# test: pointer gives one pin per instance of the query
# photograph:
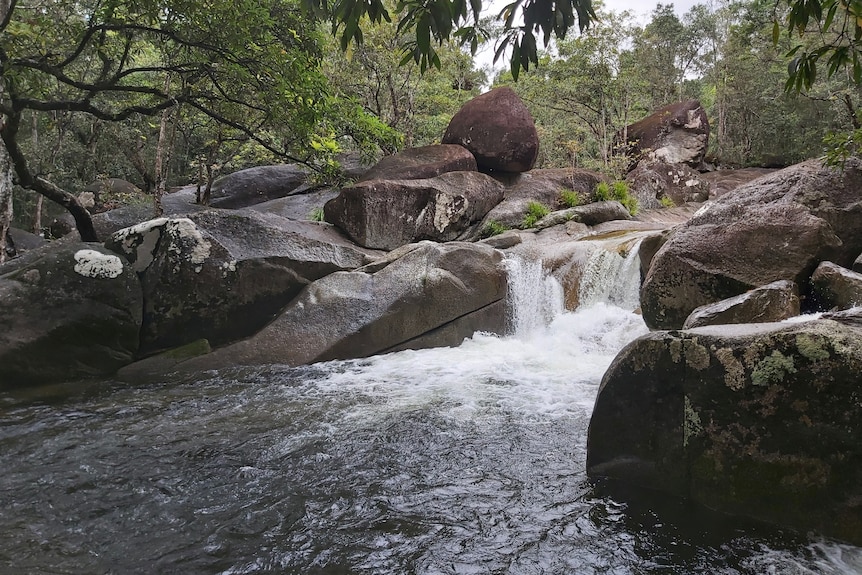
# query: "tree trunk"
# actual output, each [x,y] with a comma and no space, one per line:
[162,156]
[5,199]
[83,219]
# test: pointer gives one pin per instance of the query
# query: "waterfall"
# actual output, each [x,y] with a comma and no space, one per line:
[535,298]
[612,276]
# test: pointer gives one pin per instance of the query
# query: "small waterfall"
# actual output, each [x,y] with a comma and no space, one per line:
[612,276]
[535,298]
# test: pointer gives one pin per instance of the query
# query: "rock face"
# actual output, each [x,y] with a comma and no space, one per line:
[420,295]
[543,186]
[723,181]
[778,227]
[761,420]
[675,134]
[386,214]
[651,182]
[69,310]
[224,275]
[836,287]
[773,302]
[422,163]
[589,214]
[259,184]
[499,131]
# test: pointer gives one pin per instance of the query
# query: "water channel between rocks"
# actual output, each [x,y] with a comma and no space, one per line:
[465,460]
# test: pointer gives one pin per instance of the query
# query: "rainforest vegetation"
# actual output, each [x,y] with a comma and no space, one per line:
[165,93]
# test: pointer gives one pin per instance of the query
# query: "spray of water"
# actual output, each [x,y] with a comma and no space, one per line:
[612,276]
[535,298]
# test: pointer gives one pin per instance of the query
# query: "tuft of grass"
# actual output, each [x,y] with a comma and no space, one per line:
[492,228]
[535,212]
[667,202]
[569,198]
[602,192]
[316,215]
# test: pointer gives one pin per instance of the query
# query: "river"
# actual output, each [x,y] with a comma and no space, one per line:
[465,460]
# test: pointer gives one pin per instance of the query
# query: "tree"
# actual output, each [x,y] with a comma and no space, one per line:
[248,65]
[434,22]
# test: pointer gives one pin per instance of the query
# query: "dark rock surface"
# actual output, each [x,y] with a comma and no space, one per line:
[773,302]
[675,134]
[421,163]
[499,131]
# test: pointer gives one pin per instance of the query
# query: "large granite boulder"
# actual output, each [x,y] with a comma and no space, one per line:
[421,295]
[773,302]
[675,134]
[259,184]
[222,276]
[836,287]
[70,310]
[422,163]
[386,214]
[498,129]
[656,183]
[760,420]
[543,186]
[778,227]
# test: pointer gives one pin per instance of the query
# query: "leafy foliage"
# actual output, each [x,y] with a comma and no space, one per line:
[535,212]
[493,228]
[570,198]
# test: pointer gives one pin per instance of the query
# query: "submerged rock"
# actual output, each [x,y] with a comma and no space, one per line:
[760,420]
[70,310]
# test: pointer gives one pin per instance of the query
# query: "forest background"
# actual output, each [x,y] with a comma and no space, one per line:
[287,89]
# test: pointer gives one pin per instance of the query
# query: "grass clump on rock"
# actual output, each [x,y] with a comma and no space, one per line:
[492,228]
[535,212]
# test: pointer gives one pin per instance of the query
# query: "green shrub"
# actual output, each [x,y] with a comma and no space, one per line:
[602,192]
[631,204]
[569,198]
[620,190]
[667,202]
[493,228]
[535,212]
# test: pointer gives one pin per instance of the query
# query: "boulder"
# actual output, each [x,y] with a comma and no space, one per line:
[759,420]
[422,163]
[110,193]
[306,206]
[773,302]
[675,134]
[386,214]
[543,186]
[836,287]
[779,227]
[222,275]
[652,182]
[589,214]
[395,303]
[724,181]
[70,310]
[499,131]
[259,184]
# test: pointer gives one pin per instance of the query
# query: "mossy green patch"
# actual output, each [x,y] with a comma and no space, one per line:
[772,369]
[811,347]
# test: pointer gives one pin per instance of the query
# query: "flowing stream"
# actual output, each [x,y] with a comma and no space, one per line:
[465,460]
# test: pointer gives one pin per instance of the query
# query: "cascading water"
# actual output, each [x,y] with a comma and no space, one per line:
[465,460]
[612,276]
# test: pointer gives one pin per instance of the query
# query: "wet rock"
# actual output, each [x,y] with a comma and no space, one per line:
[420,293]
[498,130]
[675,134]
[386,214]
[70,310]
[760,420]
[422,163]
[222,275]
[773,302]
[778,227]
[836,287]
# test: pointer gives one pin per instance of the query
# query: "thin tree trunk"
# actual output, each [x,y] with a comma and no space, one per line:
[5,199]
[161,155]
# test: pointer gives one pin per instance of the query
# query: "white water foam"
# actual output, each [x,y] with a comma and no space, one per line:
[613,277]
[535,298]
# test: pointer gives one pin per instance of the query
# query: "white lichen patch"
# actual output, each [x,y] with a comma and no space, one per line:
[734,371]
[228,267]
[93,264]
[187,243]
[675,350]
[139,242]
[446,209]
[691,425]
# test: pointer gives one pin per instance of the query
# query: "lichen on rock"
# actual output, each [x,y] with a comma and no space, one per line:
[93,264]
